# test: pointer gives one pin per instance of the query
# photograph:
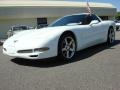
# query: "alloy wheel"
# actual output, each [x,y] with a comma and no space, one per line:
[68,47]
[111,36]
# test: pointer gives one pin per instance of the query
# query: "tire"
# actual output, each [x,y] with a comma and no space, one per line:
[111,36]
[66,47]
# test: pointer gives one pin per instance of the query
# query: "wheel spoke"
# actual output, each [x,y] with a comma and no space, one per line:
[113,35]
[68,54]
[71,42]
[111,40]
[66,42]
[64,49]
[110,35]
[72,50]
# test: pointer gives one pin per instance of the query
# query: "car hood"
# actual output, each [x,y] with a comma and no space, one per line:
[36,33]
[35,37]
[46,32]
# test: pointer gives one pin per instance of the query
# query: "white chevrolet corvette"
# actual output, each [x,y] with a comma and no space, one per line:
[62,38]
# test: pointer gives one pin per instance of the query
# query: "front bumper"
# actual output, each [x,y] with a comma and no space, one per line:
[33,55]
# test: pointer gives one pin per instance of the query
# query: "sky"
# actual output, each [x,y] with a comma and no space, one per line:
[116,3]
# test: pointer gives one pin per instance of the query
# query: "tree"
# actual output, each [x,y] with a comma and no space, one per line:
[118,16]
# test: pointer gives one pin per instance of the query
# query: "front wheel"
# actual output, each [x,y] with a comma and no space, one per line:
[66,47]
[111,36]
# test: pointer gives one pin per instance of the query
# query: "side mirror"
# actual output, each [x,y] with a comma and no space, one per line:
[94,22]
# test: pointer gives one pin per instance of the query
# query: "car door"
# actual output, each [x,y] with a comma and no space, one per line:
[87,37]
[98,31]
[91,34]
[87,33]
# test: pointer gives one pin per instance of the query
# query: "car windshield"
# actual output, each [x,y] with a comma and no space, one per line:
[69,20]
[20,28]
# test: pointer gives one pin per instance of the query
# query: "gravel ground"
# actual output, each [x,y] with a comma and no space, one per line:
[95,68]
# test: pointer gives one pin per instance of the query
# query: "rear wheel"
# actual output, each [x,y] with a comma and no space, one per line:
[111,36]
[66,47]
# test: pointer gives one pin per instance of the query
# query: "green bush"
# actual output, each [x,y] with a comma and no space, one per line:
[118,16]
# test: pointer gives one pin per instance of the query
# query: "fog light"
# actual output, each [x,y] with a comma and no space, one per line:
[33,55]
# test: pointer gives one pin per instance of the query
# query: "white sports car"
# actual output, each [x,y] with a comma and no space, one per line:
[62,38]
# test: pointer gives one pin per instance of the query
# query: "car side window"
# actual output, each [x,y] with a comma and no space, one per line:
[87,20]
[94,17]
